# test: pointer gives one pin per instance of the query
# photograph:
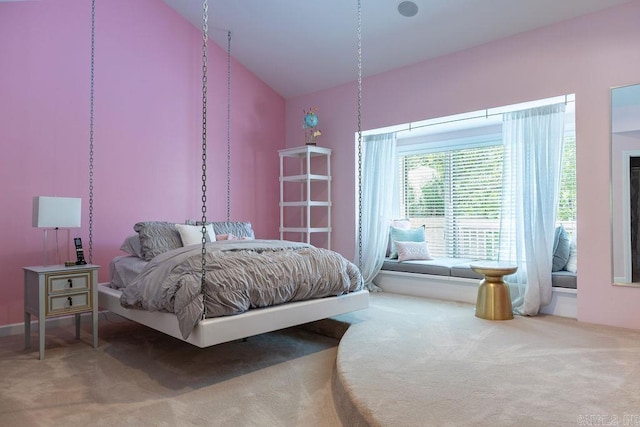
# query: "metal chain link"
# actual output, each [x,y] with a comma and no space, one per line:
[205,29]
[229,126]
[359,134]
[91,121]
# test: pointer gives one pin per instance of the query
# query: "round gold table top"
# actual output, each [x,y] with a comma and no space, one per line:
[493,268]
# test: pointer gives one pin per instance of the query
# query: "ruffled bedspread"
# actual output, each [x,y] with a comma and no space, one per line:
[240,275]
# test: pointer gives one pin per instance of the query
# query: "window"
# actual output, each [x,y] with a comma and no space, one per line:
[450,182]
[567,202]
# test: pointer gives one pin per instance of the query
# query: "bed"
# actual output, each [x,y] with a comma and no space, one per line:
[158,282]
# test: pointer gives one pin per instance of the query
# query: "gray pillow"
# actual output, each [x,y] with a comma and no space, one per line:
[132,246]
[157,237]
[237,228]
[561,246]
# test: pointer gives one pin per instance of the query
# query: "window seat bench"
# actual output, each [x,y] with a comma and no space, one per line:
[460,267]
[451,279]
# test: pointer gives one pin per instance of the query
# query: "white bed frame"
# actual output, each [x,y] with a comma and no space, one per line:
[218,330]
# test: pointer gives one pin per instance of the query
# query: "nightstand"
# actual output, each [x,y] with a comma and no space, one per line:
[56,290]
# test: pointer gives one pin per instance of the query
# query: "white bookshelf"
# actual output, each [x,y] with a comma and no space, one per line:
[305,193]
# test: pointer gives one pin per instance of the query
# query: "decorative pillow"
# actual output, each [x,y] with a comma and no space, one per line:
[131,245]
[400,223]
[231,237]
[404,235]
[192,234]
[157,237]
[572,263]
[560,249]
[408,251]
[225,237]
[237,228]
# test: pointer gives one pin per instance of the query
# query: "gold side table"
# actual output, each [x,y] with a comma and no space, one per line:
[494,299]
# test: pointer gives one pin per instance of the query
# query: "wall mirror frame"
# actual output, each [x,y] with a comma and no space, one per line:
[625,184]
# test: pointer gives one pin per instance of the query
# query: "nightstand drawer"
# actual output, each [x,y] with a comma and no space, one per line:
[68,303]
[64,282]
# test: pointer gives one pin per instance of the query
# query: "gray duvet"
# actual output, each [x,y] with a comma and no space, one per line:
[240,274]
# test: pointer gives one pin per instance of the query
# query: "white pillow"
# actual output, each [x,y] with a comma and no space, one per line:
[192,234]
[572,262]
[410,251]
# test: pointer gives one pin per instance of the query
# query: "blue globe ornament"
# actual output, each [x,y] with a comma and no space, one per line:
[310,120]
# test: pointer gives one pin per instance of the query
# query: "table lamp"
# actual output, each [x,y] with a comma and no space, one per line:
[55,213]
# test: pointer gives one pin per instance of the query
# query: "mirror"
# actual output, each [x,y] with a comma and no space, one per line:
[625,184]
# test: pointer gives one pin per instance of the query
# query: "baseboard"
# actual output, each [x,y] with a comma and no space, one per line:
[53,322]
[564,302]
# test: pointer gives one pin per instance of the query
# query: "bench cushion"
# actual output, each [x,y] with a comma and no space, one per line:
[464,270]
[564,279]
[459,267]
[437,267]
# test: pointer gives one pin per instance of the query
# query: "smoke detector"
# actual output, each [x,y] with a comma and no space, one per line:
[408,9]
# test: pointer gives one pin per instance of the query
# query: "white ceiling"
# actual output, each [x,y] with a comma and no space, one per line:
[302,46]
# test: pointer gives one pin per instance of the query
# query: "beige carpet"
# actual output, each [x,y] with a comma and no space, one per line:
[425,362]
[404,362]
[140,377]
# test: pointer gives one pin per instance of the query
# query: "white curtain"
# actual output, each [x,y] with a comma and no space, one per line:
[378,183]
[533,141]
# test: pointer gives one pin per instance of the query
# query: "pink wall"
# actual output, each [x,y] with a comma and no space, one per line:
[586,56]
[147,128]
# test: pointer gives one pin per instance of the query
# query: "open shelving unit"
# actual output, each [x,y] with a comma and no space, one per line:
[305,187]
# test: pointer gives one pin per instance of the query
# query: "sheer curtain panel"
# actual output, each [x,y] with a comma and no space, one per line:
[378,183]
[533,141]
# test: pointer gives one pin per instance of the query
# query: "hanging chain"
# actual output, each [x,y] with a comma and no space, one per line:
[91,109]
[229,126]
[205,29]
[359,134]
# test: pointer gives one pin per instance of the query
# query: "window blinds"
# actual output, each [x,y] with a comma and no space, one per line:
[456,195]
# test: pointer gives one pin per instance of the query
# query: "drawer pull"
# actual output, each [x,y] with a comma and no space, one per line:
[70,283]
[70,300]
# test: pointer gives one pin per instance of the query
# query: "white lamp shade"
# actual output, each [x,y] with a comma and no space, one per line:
[56,212]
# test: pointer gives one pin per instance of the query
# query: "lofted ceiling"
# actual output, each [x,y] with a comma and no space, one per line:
[302,46]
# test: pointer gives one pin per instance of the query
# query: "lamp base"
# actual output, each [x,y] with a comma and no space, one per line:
[46,250]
